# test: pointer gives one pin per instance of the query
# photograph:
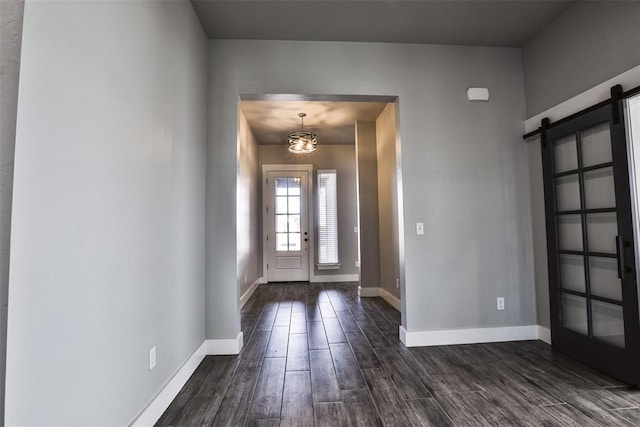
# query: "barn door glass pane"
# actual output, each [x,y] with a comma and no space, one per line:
[608,324]
[596,145]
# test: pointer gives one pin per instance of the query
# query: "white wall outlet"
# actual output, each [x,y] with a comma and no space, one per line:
[398,283]
[500,303]
[419,228]
[355,229]
[357,264]
[152,358]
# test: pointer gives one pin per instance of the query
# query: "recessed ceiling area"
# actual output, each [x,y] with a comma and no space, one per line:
[334,121]
[507,23]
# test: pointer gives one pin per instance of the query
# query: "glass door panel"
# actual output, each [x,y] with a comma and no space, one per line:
[570,232]
[572,272]
[603,278]
[599,189]
[602,229]
[596,145]
[608,323]
[568,193]
[574,313]
[566,154]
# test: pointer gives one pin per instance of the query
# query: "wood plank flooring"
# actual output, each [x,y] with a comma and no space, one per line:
[317,355]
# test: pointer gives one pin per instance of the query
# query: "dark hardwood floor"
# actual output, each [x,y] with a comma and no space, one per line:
[317,355]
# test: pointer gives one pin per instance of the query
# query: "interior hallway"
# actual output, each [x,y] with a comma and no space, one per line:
[317,354]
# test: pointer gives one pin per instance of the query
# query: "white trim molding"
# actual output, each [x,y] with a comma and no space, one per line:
[368,292]
[218,347]
[380,292]
[154,410]
[245,297]
[544,334]
[391,299]
[468,336]
[331,278]
[586,99]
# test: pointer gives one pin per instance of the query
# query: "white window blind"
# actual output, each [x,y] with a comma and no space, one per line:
[327,218]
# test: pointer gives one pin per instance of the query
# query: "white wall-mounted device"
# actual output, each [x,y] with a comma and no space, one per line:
[478,94]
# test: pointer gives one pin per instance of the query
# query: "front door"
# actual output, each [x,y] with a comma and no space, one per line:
[287,226]
[590,243]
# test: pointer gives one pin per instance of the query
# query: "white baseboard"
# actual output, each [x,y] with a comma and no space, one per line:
[219,347]
[391,299]
[154,410]
[380,292]
[332,278]
[544,334]
[368,292]
[245,297]
[468,336]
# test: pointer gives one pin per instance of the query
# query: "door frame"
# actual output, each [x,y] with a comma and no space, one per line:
[310,212]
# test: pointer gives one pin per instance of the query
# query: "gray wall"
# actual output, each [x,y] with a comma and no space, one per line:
[108,212]
[342,159]
[591,42]
[464,169]
[11,14]
[388,200]
[249,255]
[369,233]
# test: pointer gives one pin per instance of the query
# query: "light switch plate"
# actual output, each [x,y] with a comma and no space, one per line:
[419,228]
[152,358]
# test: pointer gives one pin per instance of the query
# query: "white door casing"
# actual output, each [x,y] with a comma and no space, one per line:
[287,219]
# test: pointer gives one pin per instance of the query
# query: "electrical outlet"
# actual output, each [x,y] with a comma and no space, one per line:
[357,264]
[355,229]
[420,228]
[152,358]
[500,303]
[398,283]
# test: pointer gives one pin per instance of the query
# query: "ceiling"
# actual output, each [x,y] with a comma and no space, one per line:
[508,23]
[273,120]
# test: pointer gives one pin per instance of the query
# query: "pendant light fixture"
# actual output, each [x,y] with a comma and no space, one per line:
[303,141]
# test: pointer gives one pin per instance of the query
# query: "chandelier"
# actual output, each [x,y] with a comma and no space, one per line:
[303,141]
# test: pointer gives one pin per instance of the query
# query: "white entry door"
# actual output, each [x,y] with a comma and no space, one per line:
[287,226]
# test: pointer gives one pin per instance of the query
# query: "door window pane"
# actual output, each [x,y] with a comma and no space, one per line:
[596,145]
[603,278]
[294,223]
[281,223]
[608,323]
[570,232]
[599,191]
[281,205]
[281,186]
[565,154]
[602,229]
[572,272]
[574,313]
[568,193]
[294,241]
[288,214]
[294,186]
[294,205]
[281,242]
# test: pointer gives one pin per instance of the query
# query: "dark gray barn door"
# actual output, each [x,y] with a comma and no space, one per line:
[592,274]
